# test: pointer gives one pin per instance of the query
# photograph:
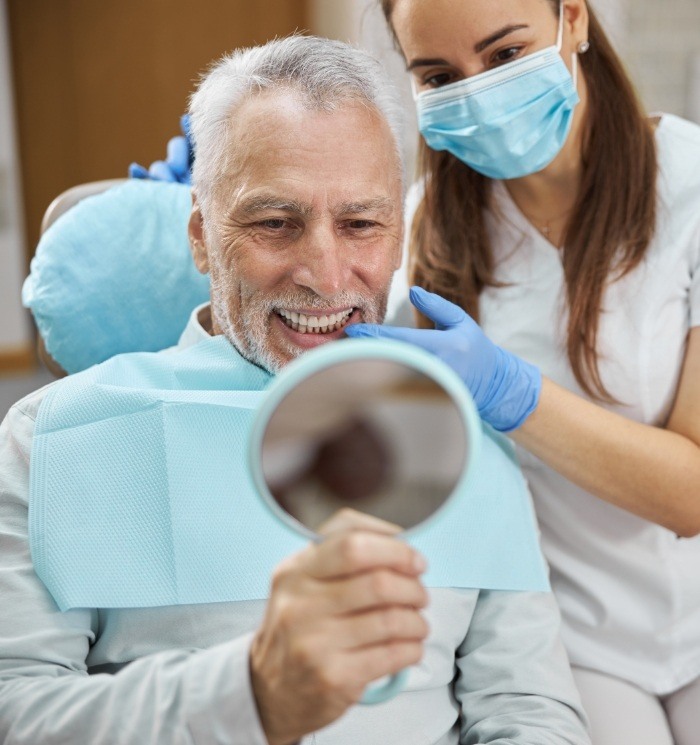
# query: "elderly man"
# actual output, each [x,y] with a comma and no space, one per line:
[297,218]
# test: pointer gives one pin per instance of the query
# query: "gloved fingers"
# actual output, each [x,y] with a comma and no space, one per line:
[428,339]
[369,330]
[138,171]
[185,125]
[186,130]
[442,312]
[375,331]
[161,171]
[178,158]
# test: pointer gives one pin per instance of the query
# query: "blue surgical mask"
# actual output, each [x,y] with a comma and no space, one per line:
[508,122]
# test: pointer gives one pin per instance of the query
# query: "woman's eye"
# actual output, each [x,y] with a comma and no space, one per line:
[506,55]
[435,81]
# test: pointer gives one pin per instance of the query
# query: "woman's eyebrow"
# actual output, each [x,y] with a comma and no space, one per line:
[426,63]
[480,46]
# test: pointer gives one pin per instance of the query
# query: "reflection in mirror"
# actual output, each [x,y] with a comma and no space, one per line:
[371,434]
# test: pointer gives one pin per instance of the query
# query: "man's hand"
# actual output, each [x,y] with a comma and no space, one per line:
[341,614]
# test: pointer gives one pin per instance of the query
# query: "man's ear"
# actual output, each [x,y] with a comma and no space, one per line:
[195,233]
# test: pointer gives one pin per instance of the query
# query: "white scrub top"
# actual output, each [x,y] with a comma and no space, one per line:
[629,590]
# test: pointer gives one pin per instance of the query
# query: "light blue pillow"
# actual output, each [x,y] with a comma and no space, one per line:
[114,274]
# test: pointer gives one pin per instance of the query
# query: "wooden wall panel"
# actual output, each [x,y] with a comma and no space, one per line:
[100,83]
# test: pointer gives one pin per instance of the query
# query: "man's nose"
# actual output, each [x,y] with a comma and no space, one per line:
[322,263]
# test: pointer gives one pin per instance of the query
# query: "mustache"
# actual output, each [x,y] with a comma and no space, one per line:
[312,301]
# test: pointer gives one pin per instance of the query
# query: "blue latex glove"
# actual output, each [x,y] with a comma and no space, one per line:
[178,162]
[505,388]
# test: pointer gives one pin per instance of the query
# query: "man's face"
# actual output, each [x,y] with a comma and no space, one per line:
[304,231]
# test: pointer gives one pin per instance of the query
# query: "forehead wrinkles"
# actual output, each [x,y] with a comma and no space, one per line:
[249,164]
[248,205]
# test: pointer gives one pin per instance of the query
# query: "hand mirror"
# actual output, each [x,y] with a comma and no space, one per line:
[381,427]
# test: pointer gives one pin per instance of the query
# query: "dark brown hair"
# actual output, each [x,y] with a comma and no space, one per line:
[610,227]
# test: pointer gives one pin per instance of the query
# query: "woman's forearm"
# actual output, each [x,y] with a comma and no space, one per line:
[651,472]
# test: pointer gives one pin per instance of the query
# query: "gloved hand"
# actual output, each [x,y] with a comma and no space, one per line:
[178,162]
[505,388]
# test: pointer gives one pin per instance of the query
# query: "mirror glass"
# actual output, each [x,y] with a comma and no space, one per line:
[375,435]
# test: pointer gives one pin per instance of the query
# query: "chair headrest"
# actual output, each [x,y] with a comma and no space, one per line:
[114,274]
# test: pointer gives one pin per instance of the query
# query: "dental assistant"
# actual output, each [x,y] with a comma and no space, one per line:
[552,211]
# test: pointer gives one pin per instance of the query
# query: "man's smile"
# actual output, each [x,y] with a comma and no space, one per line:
[306,323]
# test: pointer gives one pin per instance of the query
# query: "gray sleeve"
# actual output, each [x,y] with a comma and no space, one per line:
[46,694]
[514,682]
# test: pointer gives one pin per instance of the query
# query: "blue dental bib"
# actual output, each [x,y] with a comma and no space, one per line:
[141,495]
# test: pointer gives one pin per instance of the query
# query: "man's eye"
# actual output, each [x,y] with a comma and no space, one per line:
[360,224]
[274,223]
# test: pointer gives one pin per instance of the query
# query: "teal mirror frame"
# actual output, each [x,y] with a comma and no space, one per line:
[354,350]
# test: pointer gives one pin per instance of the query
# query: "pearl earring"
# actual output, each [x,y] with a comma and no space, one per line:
[583,47]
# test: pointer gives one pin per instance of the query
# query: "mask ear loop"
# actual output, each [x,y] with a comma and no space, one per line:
[560,31]
[560,41]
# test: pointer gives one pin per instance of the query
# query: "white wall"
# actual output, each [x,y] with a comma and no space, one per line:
[14,326]
[663,52]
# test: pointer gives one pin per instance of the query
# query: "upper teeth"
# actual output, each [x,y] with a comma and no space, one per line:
[305,322]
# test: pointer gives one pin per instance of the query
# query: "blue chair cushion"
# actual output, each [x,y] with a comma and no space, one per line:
[114,274]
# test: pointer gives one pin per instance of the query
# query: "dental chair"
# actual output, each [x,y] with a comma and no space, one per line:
[112,272]
[69,198]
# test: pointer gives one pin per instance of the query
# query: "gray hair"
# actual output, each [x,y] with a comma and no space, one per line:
[326,73]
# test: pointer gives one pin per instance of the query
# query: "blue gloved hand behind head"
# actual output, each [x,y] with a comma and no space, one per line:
[114,274]
[177,165]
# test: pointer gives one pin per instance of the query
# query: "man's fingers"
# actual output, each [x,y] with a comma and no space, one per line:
[359,551]
[371,590]
[380,626]
[374,662]
[348,519]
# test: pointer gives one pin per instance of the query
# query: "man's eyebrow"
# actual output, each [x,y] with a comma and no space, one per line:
[255,204]
[478,47]
[380,204]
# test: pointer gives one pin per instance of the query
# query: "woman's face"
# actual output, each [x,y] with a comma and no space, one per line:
[444,41]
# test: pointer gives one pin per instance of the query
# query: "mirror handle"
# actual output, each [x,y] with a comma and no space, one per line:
[375,694]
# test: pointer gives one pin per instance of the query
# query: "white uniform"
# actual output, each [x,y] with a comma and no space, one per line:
[629,590]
